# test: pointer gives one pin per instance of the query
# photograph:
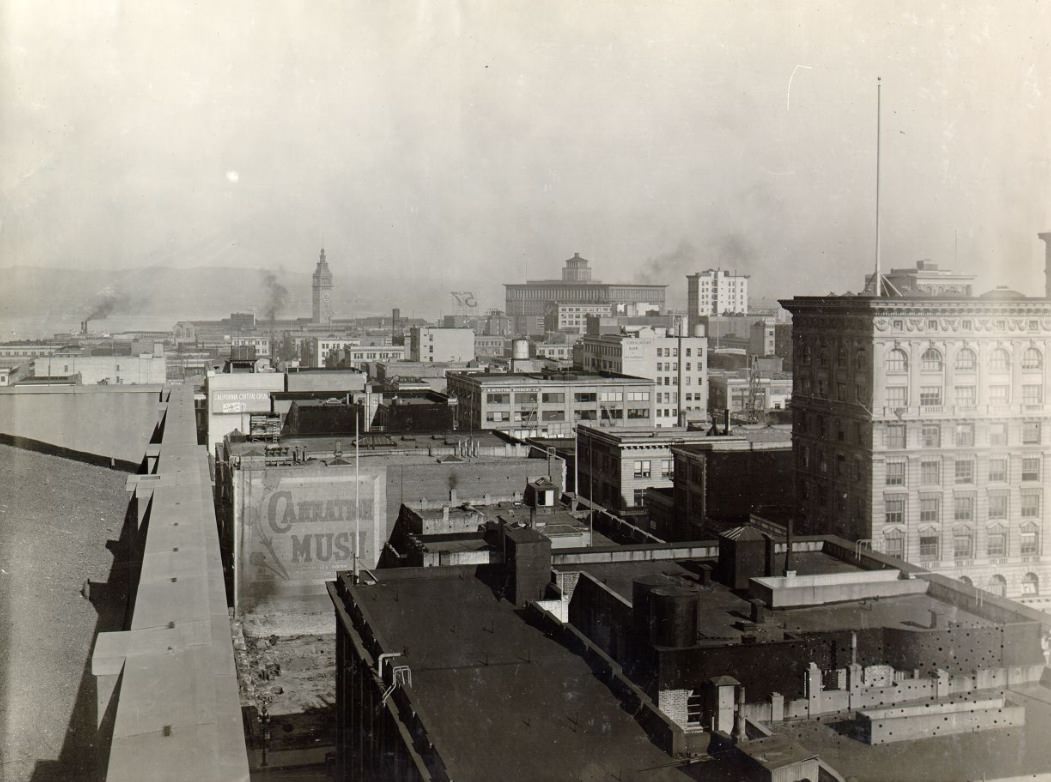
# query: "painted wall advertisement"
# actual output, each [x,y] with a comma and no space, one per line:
[297,530]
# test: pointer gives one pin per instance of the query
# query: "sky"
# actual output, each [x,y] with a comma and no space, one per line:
[442,145]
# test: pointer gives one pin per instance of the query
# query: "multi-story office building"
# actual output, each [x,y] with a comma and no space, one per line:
[571,317]
[527,302]
[921,424]
[261,344]
[716,292]
[321,311]
[616,466]
[429,344]
[749,390]
[550,404]
[323,350]
[677,365]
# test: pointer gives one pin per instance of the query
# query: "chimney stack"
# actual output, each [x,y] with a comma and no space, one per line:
[1046,239]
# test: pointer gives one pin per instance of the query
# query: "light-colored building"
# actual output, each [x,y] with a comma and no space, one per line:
[30,349]
[571,317]
[716,292]
[360,355]
[321,300]
[323,348]
[93,370]
[550,404]
[429,344]
[260,343]
[527,302]
[733,390]
[921,424]
[232,398]
[677,365]
[616,466]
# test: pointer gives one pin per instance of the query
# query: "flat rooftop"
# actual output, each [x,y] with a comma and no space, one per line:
[541,378]
[500,699]
[377,443]
[721,610]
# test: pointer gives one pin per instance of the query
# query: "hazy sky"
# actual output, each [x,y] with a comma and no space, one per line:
[468,144]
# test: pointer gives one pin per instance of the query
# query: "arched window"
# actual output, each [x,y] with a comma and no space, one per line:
[894,544]
[897,361]
[998,585]
[1032,359]
[967,581]
[1000,361]
[966,360]
[931,360]
[1030,584]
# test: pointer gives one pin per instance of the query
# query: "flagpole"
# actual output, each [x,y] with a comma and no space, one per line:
[879,278]
[357,496]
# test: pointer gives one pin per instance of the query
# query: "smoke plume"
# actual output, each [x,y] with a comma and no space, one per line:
[276,296]
[732,251]
[109,300]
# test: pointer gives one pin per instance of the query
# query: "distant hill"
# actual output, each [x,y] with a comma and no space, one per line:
[194,293]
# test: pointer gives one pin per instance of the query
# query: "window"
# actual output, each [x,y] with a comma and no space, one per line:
[931,435]
[997,506]
[638,396]
[639,497]
[894,436]
[998,470]
[553,415]
[999,395]
[525,399]
[642,469]
[894,544]
[498,399]
[929,509]
[897,361]
[966,360]
[585,397]
[962,544]
[965,396]
[931,360]
[964,471]
[897,396]
[964,435]
[930,473]
[929,545]
[638,412]
[1030,584]
[1032,359]
[895,510]
[996,543]
[998,433]
[1030,540]
[1032,394]
[553,398]
[1030,505]
[997,585]
[930,396]
[999,361]
[963,508]
[1031,432]
[1031,468]
[895,473]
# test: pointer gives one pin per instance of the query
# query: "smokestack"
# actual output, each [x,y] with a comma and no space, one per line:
[395,316]
[1046,239]
[84,328]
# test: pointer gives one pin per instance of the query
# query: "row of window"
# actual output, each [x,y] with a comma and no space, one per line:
[558,397]
[894,507]
[963,542]
[964,396]
[963,471]
[643,468]
[966,360]
[896,435]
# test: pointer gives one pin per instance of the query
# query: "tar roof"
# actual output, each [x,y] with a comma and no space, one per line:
[500,699]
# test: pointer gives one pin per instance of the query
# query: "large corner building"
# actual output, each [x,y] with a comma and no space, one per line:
[922,426]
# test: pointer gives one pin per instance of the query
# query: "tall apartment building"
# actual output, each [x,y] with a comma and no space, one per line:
[550,404]
[716,292]
[676,364]
[321,301]
[921,424]
[430,344]
[527,302]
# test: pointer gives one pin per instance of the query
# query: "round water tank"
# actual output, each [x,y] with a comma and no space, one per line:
[520,349]
[698,330]
[675,616]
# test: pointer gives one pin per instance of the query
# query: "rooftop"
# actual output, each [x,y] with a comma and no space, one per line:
[500,699]
[541,378]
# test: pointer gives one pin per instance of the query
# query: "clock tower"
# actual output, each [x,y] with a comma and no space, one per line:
[322,301]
